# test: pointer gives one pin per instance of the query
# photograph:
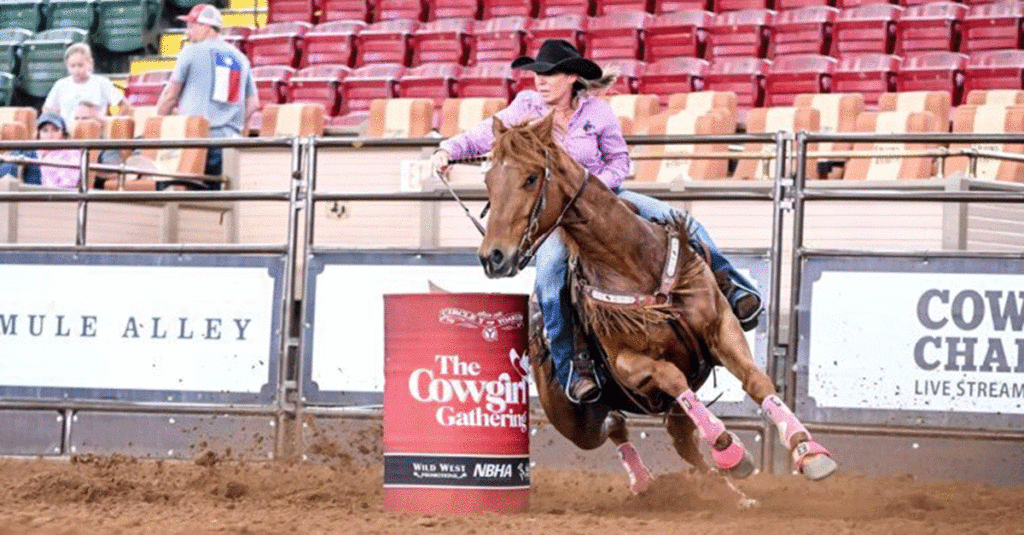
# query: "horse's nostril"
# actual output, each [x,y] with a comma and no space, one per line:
[497,257]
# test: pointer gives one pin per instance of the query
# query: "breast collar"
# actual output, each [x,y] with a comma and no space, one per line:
[663,295]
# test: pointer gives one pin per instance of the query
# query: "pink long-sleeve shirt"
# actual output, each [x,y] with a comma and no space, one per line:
[60,177]
[593,137]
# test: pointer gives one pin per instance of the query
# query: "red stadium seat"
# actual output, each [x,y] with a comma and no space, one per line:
[993,27]
[331,42]
[805,30]
[435,81]
[741,34]
[743,76]
[785,5]
[487,79]
[272,83]
[452,9]
[443,41]
[363,85]
[492,9]
[792,75]
[630,71]
[500,39]
[387,41]
[344,10]
[290,10]
[319,84]
[933,27]
[606,7]
[867,74]
[869,28]
[617,36]
[572,28]
[673,75]
[399,9]
[238,36]
[670,6]
[277,43]
[144,89]
[555,8]
[934,71]
[683,33]
[724,6]
[995,69]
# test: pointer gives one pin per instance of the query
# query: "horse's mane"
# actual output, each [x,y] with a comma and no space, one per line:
[532,144]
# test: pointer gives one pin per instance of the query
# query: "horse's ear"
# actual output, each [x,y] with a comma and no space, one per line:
[499,127]
[544,127]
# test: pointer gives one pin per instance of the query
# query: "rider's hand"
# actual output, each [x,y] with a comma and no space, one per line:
[439,161]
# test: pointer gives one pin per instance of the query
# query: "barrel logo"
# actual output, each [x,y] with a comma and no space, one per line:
[488,322]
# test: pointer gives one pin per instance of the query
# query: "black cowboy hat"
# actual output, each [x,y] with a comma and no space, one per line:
[558,55]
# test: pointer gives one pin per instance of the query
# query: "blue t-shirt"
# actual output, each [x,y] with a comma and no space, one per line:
[216,81]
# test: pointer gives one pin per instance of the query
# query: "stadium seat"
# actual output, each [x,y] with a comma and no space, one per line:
[801,73]
[933,27]
[570,27]
[70,14]
[42,61]
[238,36]
[805,30]
[630,71]
[400,118]
[681,33]
[703,101]
[993,27]
[6,88]
[121,25]
[492,9]
[174,159]
[292,120]
[291,11]
[344,10]
[27,14]
[934,71]
[673,75]
[443,41]
[770,120]
[11,41]
[386,41]
[689,123]
[617,36]
[867,74]
[115,127]
[460,114]
[1003,97]
[434,81]
[785,5]
[995,69]
[23,116]
[837,112]
[743,76]
[866,29]
[144,89]
[725,6]
[318,84]
[988,119]
[399,9]
[607,7]
[634,111]
[278,43]
[452,9]
[499,39]
[555,8]
[881,168]
[272,83]
[331,42]
[935,102]
[489,79]
[741,34]
[660,7]
[364,84]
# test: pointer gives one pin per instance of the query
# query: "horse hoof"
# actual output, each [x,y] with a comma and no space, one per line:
[734,460]
[642,483]
[814,461]
[744,468]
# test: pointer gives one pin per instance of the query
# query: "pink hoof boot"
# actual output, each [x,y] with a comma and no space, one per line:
[735,460]
[639,475]
[813,460]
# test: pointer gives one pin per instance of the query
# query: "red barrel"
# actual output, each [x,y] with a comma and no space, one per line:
[456,403]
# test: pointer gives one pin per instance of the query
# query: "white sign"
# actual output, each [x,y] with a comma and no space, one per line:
[135,327]
[917,341]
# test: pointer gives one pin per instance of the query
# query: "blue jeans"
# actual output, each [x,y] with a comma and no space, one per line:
[552,291]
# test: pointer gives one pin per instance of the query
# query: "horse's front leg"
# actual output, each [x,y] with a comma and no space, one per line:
[811,458]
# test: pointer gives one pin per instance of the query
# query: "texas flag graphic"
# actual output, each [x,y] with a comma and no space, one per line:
[227,77]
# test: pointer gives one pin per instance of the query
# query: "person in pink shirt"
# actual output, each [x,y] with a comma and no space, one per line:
[52,128]
[588,129]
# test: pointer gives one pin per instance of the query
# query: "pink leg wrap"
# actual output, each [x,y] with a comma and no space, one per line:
[783,418]
[708,425]
[639,476]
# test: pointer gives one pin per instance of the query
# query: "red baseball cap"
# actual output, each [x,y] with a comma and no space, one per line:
[203,14]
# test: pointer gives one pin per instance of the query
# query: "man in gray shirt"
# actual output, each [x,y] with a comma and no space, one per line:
[212,79]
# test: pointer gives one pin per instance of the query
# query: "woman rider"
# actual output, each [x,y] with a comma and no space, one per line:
[589,131]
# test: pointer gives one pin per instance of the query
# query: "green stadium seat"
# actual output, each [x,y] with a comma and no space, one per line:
[26,14]
[70,14]
[6,88]
[42,59]
[122,24]
[11,40]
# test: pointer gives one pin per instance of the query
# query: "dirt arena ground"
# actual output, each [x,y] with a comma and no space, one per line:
[214,494]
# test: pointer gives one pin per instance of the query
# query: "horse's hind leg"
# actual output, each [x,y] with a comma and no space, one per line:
[639,476]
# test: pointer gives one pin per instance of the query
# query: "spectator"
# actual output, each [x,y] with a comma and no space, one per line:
[51,127]
[80,84]
[211,79]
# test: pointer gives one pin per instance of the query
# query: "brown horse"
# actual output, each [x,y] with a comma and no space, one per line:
[652,302]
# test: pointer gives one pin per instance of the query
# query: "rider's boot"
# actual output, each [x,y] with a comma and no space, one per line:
[583,387]
[745,304]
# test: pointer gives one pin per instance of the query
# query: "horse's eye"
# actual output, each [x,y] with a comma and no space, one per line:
[531,180]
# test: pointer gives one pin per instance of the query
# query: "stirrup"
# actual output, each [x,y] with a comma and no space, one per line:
[586,388]
[748,309]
